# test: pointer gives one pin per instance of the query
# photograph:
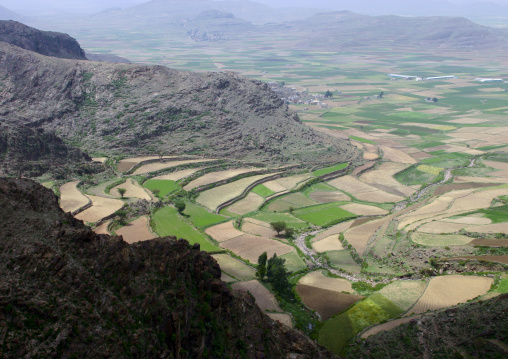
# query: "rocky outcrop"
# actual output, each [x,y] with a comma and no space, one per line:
[68,292]
[122,109]
[31,152]
[43,42]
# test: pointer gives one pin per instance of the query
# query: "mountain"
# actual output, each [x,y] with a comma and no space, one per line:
[67,292]
[122,109]
[473,330]
[333,30]
[32,152]
[43,42]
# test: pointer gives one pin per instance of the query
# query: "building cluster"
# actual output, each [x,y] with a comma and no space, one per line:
[290,95]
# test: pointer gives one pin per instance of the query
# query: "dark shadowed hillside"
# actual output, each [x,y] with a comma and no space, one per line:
[116,108]
[78,294]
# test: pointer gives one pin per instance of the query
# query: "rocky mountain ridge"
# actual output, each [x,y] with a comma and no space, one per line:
[78,294]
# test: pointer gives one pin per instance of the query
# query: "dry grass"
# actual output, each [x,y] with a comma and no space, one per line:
[331,243]
[223,232]
[136,231]
[250,247]
[318,280]
[212,198]
[326,302]
[264,298]
[157,166]
[71,199]
[176,176]
[447,291]
[213,177]
[282,318]
[101,208]
[364,210]
[133,190]
[250,203]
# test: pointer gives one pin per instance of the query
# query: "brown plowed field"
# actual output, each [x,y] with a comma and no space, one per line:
[264,298]
[326,302]
[103,228]
[259,230]
[101,208]
[136,231]
[395,155]
[133,190]
[178,175]
[71,199]
[213,177]
[223,232]
[250,247]
[318,280]
[331,243]
[250,203]
[359,236]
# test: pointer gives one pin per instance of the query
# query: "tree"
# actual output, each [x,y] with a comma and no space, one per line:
[289,232]
[381,94]
[180,206]
[328,94]
[122,192]
[122,215]
[156,192]
[277,275]
[278,226]
[434,99]
[261,272]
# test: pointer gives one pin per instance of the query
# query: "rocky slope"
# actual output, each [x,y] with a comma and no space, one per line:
[28,152]
[43,42]
[66,292]
[117,108]
[475,330]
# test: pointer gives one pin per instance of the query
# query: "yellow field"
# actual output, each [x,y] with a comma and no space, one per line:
[318,280]
[103,228]
[274,186]
[213,177]
[133,190]
[338,228]
[363,191]
[264,298]
[136,231]
[157,166]
[258,230]
[490,228]
[359,236]
[176,176]
[328,196]
[223,232]
[71,199]
[212,198]
[250,247]
[363,210]
[293,181]
[404,293]
[102,207]
[250,203]
[430,169]
[395,155]
[438,227]
[331,243]
[126,164]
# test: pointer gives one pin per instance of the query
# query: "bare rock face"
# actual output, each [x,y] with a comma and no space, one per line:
[122,109]
[43,42]
[67,292]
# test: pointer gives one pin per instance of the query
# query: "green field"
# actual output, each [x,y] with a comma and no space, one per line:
[263,191]
[290,220]
[200,217]
[327,170]
[343,260]
[293,262]
[167,222]
[413,176]
[324,215]
[164,186]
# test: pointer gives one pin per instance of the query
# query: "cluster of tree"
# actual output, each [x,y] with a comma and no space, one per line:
[275,273]
[281,226]
[433,99]
[328,94]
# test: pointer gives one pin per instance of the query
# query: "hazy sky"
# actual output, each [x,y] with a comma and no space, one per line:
[33,7]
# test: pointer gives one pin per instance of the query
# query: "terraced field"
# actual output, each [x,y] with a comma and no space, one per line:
[71,198]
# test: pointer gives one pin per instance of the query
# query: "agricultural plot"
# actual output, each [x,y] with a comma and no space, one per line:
[328,196]
[327,170]
[292,182]
[126,164]
[323,215]
[293,262]
[213,177]
[164,187]
[234,267]
[101,208]
[318,280]
[338,228]
[157,166]
[489,228]
[387,326]
[342,259]
[178,175]
[450,290]
[250,203]
[212,198]
[258,230]
[71,199]
[263,297]
[326,302]
[404,293]
[438,240]
[293,200]
[133,190]
[382,177]
[263,191]
[136,231]
[167,222]
[200,217]
[363,191]
[331,243]
[251,247]
[359,236]
[223,232]
[290,220]
[440,227]
[364,210]
[100,189]
[396,155]
[103,228]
